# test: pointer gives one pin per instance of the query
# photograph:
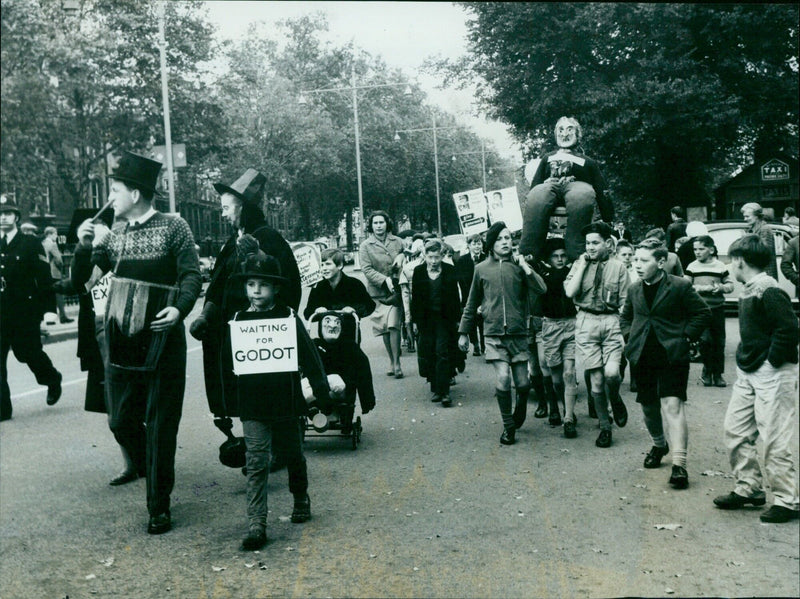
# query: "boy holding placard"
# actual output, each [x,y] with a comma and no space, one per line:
[270,398]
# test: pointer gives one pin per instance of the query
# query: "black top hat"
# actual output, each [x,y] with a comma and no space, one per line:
[603,229]
[8,205]
[261,266]
[138,171]
[249,187]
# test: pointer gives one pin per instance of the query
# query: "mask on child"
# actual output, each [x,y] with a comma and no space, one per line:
[331,327]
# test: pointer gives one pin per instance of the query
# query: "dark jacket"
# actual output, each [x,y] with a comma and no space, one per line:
[345,358]
[678,315]
[27,282]
[554,302]
[421,290]
[790,264]
[230,298]
[276,397]
[349,292]
[465,269]
[675,231]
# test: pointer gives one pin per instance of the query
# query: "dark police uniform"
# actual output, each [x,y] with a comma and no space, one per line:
[25,282]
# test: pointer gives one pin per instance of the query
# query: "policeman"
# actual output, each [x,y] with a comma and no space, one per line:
[24,284]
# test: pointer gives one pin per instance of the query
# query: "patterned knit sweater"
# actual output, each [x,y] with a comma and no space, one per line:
[160,250]
[710,273]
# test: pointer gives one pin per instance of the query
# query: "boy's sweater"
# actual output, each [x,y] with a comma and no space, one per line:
[554,302]
[768,327]
[709,273]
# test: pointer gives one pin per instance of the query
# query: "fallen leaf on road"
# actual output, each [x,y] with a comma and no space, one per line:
[90,577]
[735,564]
[640,486]
[290,549]
[623,498]
[667,526]
[249,565]
[218,568]
[716,473]
[372,555]
[416,569]
[565,451]
[262,567]
[107,562]
[668,591]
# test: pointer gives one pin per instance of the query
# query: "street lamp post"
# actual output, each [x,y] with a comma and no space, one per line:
[162,44]
[434,128]
[353,88]
[483,160]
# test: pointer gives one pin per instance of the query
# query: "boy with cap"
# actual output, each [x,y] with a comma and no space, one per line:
[558,332]
[662,314]
[598,285]
[764,395]
[500,287]
[271,404]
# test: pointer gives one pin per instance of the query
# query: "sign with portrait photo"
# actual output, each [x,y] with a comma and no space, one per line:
[471,210]
[504,206]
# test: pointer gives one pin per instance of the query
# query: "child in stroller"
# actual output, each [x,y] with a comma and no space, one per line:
[349,373]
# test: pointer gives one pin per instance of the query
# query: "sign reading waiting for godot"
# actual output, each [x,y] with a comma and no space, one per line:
[263,346]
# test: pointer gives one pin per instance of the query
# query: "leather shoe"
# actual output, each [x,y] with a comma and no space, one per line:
[719,381]
[302,509]
[778,514]
[254,540]
[706,379]
[159,524]
[620,411]
[679,479]
[124,477]
[734,501]
[570,432]
[653,457]
[541,411]
[446,401]
[555,418]
[604,440]
[54,392]
[508,437]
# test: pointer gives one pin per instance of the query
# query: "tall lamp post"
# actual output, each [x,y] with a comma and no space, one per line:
[162,45]
[434,128]
[353,89]
[483,160]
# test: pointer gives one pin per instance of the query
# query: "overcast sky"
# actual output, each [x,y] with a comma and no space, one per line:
[405,34]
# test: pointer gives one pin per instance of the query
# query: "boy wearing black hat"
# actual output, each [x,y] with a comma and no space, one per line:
[500,287]
[598,285]
[24,283]
[558,332]
[154,249]
[271,404]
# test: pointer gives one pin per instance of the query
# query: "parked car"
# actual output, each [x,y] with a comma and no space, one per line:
[724,233]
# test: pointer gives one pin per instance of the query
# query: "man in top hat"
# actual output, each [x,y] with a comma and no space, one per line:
[24,283]
[598,285]
[241,207]
[148,246]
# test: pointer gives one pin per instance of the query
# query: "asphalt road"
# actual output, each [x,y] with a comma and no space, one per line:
[430,505]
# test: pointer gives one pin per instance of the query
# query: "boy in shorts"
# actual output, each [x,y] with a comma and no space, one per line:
[662,314]
[598,285]
[500,287]
[558,332]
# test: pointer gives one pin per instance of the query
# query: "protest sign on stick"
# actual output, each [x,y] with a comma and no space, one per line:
[471,210]
[504,206]
[308,263]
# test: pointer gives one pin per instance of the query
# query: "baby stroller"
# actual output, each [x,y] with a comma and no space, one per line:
[349,374]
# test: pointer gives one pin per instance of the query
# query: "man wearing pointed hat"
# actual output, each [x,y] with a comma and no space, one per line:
[152,248]
[24,284]
[241,207]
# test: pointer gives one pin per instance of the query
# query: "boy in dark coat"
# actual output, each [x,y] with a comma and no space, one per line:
[435,312]
[662,314]
[271,404]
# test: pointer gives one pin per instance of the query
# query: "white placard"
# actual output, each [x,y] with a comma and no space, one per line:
[100,293]
[308,263]
[504,206]
[264,346]
[471,210]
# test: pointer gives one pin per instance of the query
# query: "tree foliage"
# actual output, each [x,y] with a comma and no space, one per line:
[672,97]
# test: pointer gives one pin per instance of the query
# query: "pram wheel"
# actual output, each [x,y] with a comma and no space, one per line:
[356,434]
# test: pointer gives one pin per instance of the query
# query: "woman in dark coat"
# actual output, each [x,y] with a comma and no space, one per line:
[241,207]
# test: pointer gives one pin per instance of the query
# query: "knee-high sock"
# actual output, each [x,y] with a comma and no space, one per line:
[549,392]
[679,457]
[504,403]
[558,396]
[570,396]
[652,420]
[537,386]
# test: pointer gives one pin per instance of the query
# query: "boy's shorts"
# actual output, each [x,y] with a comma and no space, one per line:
[657,380]
[558,338]
[598,339]
[507,348]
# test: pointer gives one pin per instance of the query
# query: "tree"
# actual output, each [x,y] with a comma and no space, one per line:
[666,93]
